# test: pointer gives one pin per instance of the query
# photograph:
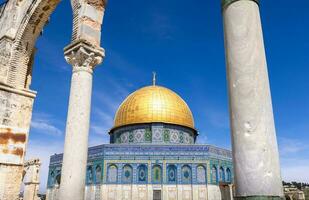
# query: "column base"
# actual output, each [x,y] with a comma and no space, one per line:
[260,198]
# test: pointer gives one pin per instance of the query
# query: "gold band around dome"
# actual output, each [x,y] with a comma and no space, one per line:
[226,3]
[154,104]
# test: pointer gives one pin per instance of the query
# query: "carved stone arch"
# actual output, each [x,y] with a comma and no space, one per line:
[88,18]
[20,67]
[24,174]
[76,7]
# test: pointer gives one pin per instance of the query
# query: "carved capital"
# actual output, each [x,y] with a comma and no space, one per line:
[83,56]
[226,3]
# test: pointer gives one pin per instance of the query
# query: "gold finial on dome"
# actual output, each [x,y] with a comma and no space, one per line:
[154,74]
[153,104]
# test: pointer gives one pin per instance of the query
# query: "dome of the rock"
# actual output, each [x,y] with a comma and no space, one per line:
[153,104]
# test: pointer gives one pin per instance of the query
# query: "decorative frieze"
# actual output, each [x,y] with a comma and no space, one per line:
[153,133]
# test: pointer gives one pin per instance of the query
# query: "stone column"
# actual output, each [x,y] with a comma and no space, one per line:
[83,57]
[255,150]
[231,191]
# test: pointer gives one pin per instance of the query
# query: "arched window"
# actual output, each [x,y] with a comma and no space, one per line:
[186,174]
[229,175]
[222,174]
[156,174]
[112,174]
[89,175]
[127,174]
[52,178]
[214,174]
[172,174]
[58,179]
[142,174]
[201,174]
[98,174]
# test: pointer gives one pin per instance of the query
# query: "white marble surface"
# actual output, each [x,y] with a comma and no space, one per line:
[76,141]
[255,151]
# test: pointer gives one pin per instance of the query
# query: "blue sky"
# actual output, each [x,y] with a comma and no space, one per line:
[183,42]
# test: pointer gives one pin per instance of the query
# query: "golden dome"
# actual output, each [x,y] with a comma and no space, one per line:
[154,104]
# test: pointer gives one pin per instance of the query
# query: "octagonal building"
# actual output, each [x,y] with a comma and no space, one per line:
[152,155]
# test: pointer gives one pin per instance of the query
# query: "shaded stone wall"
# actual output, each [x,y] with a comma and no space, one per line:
[15,115]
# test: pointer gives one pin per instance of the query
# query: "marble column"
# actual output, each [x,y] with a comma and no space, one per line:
[231,191]
[83,57]
[254,143]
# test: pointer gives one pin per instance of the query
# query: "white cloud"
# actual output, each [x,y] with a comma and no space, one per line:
[46,128]
[294,157]
[107,118]
[218,119]
[295,169]
[53,55]
[159,26]
[291,145]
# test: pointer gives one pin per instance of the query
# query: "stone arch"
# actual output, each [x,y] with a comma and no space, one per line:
[222,174]
[82,20]
[89,175]
[288,197]
[58,179]
[98,174]
[214,174]
[24,174]
[228,175]
[52,178]
[21,22]
[23,50]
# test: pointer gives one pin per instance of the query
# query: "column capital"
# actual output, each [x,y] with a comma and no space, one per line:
[83,56]
[226,3]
